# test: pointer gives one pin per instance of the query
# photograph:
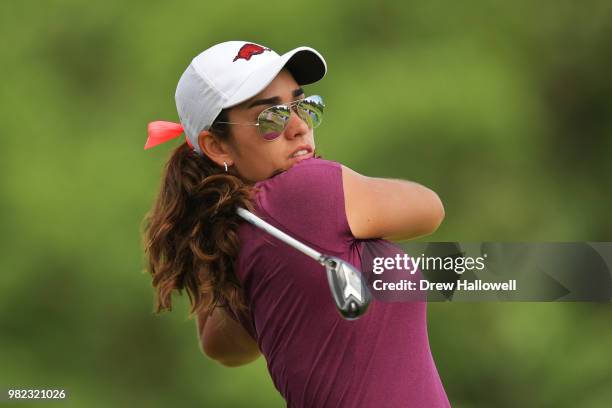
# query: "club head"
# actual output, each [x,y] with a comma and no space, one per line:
[348,287]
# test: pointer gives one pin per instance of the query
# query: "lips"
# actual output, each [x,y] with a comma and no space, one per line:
[302,151]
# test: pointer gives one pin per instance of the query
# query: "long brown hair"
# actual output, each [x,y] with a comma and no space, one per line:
[191,233]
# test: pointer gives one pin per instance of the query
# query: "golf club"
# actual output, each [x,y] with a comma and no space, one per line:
[349,291]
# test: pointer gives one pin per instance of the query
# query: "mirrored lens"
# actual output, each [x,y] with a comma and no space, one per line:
[310,110]
[272,121]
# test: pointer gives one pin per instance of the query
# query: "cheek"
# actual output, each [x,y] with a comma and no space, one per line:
[256,164]
[257,159]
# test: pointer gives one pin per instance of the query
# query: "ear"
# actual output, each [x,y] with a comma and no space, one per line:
[214,149]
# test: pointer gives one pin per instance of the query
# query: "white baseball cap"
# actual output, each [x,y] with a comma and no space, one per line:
[226,75]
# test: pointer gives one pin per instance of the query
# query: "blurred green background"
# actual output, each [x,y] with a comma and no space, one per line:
[503,108]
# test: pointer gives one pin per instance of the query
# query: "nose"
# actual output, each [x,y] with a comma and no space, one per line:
[296,126]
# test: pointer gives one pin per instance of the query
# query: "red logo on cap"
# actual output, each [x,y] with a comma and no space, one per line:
[248,50]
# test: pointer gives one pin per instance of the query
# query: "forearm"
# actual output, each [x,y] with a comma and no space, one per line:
[225,340]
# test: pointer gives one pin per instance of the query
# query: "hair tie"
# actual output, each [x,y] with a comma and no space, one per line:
[161,131]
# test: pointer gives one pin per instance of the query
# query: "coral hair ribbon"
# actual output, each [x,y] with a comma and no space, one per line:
[161,131]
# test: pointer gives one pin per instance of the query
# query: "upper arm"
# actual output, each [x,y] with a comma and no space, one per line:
[387,208]
[223,339]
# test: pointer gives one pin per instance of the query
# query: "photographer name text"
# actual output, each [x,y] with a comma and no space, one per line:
[465,285]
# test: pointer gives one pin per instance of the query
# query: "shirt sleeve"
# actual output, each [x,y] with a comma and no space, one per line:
[307,202]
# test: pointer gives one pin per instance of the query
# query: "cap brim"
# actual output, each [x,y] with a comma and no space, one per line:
[305,64]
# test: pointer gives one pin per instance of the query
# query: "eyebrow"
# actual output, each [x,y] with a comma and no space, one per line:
[275,100]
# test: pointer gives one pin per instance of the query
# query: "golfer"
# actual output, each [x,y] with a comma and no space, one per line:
[248,123]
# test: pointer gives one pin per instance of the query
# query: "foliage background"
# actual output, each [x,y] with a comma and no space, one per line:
[503,108]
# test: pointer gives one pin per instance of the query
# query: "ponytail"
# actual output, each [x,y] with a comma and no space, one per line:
[191,233]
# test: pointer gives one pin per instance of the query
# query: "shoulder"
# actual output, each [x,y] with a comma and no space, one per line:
[308,177]
[303,170]
[308,201]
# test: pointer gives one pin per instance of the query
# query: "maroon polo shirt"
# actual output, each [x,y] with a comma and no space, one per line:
[314,356]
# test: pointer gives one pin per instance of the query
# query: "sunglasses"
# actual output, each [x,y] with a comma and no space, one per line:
[272,121]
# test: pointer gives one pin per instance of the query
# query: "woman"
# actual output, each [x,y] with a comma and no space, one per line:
[250,143]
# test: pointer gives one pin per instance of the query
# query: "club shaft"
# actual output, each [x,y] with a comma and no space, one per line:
[270,229]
